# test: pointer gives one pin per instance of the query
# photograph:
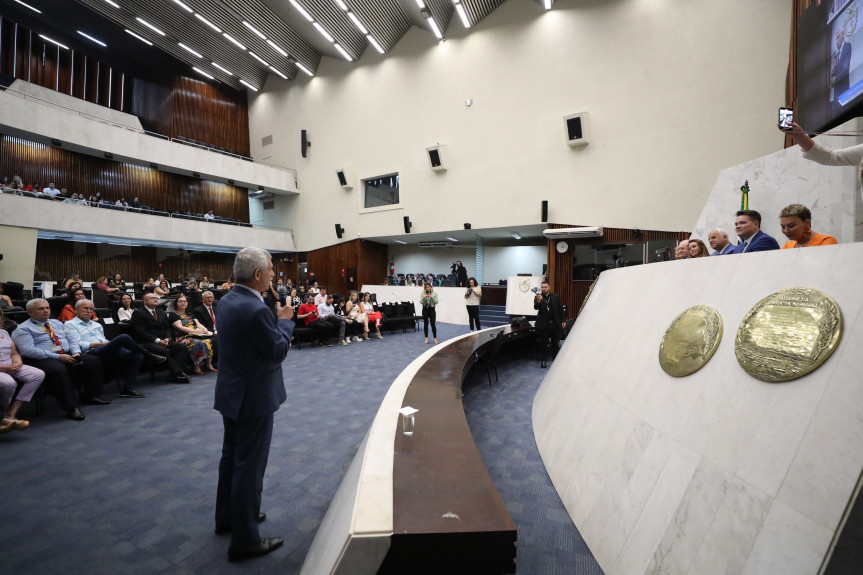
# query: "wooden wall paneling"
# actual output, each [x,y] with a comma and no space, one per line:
[64,71]
[153,103]
[372,266]
[91,80]
[215,115]
[105,75]
[7,47]
[116,89]
[22,54]
[327,264]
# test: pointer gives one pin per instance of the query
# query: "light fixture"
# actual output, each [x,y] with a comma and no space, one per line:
[202,73]
[323,32]
[279,73]
[183,6]
[461,13]
[144,40]
[342,5]
[344,53]
[400,242]
[208,23]
[515,236]
[225,70]
[277,48]
[108,156]
[452,239]
[114,4]
[304,69]
[302,10]
[257,32]
[234,40]
[261,188]
[150,26]
[28,6]
[357,23]
[88,37]
[187,49]
[56,142]
[154,165]
[53,41]
[546,4]
[435,29]
[247,85]
[374,43]
[259,59]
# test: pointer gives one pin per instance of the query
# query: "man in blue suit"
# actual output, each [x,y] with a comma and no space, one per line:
[253,344]
[752,239]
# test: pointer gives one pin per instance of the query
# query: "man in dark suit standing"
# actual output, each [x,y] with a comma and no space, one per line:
[153,332]
[841,69]
[752,239]
[549,320]
[249,389]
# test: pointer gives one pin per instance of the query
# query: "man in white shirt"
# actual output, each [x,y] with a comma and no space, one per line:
[327,314]
[90,337]
[209,216]
[321,296]
[51,190]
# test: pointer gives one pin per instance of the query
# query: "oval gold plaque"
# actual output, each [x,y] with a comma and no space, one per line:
[788,334]
[690,340]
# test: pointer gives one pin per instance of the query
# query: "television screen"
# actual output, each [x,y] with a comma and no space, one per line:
[829,63]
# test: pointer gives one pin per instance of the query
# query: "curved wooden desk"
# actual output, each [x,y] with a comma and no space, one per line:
[426,503]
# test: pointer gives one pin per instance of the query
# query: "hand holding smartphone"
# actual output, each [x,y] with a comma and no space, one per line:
[786,118]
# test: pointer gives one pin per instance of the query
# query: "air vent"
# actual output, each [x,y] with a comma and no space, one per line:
[269,204]
[266,140]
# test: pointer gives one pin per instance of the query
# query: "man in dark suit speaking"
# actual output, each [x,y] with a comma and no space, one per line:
[549,320]
[249,389]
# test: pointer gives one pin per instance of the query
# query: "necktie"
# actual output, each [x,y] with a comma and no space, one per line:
[213,316]
[745,246]
[155,317]
[50,331]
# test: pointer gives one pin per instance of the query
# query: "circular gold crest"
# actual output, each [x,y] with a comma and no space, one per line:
[524,286]
[788,334]
[690,341]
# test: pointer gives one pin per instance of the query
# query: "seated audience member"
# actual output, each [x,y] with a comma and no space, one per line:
[149,286]
[135,203]
[51,190]
[68,312]
[162,291]
[353,309]
[112,292]
[185,326]
[72,287]
[301,290]
[752,239]
[682,250]
[796,222]
[718,239]
[409,281]
[327,314]
[76,278]
[160,279]
[152,330]
[368,308]
[122,202]
[321,295]
[206,312]
[95,199]
[205,283]
[229,283]
[5,301]
[289,284]
[124,313]
[12,372]
[353,328]
[190,287]
[308,312]
[282,289]
[117,283]
[43,344]
[293,300]
[122,350]
[314,288]
[73,199]
[209,216]
[697,249]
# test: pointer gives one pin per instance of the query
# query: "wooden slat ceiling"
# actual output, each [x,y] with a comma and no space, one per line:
[282,24]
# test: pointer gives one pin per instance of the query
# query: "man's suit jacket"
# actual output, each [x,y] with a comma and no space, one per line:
[252,346]
[729,249]
[461,276]
[549,314]
[146,329]
[202,315]
[760,242]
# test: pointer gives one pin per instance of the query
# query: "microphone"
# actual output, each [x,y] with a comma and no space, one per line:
[395,296]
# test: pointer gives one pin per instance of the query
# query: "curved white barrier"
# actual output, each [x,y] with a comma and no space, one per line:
[716,472]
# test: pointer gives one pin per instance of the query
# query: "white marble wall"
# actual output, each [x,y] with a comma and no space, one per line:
[833,194]
[716,472]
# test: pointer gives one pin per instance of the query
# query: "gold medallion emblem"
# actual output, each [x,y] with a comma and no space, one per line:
[788,334]
[524,285]
[690,341]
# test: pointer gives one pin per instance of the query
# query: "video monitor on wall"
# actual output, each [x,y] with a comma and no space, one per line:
[829,63]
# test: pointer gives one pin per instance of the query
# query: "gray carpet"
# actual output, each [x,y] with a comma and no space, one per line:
[132,488]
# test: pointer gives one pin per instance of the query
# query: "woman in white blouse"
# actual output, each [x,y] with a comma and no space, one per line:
[126,309]
[354,311]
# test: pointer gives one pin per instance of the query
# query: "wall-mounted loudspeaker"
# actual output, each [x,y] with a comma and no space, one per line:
[544,211]
[345,176]
[305,144]
[339,231]
[576,127]
[467,226]
[408,225]
[437,158]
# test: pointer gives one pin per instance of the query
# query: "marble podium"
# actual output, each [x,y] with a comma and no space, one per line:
[716,472]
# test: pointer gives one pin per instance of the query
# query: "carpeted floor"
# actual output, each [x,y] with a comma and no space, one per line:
[131,489]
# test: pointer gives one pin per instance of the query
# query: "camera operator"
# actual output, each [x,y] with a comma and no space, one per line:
[460,273]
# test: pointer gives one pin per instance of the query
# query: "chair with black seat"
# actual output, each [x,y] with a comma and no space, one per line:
[488,360]
[410,314]
[14,290]
[401,316]
[388,313]
[100,299]
[57,303]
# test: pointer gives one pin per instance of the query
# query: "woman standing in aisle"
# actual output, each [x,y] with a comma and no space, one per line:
[429,300]
[471,296]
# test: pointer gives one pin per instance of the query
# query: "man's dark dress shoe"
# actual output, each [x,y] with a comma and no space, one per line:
[93,400]
[153,358]
[542,365]
[222,529]
[179,377]
[129,392]
[74,414]
[266,545]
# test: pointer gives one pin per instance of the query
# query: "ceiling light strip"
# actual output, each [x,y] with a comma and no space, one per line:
[46,38]
[374,43]
[304,69]
[277,48]
[88,37]
[36,10]
[246,84]
[190,50]
[141,38]
[183,6]
[302,10]
[257,32]
[202,73]
[208,23]
[343,53]
[225,70]
[114,4]
[150,26]
[459,8]
[234,41]
[259,59]
[279,73]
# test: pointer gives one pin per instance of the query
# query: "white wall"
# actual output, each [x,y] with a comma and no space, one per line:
[18,246]
[502,262]
[413,260]
[676,92]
